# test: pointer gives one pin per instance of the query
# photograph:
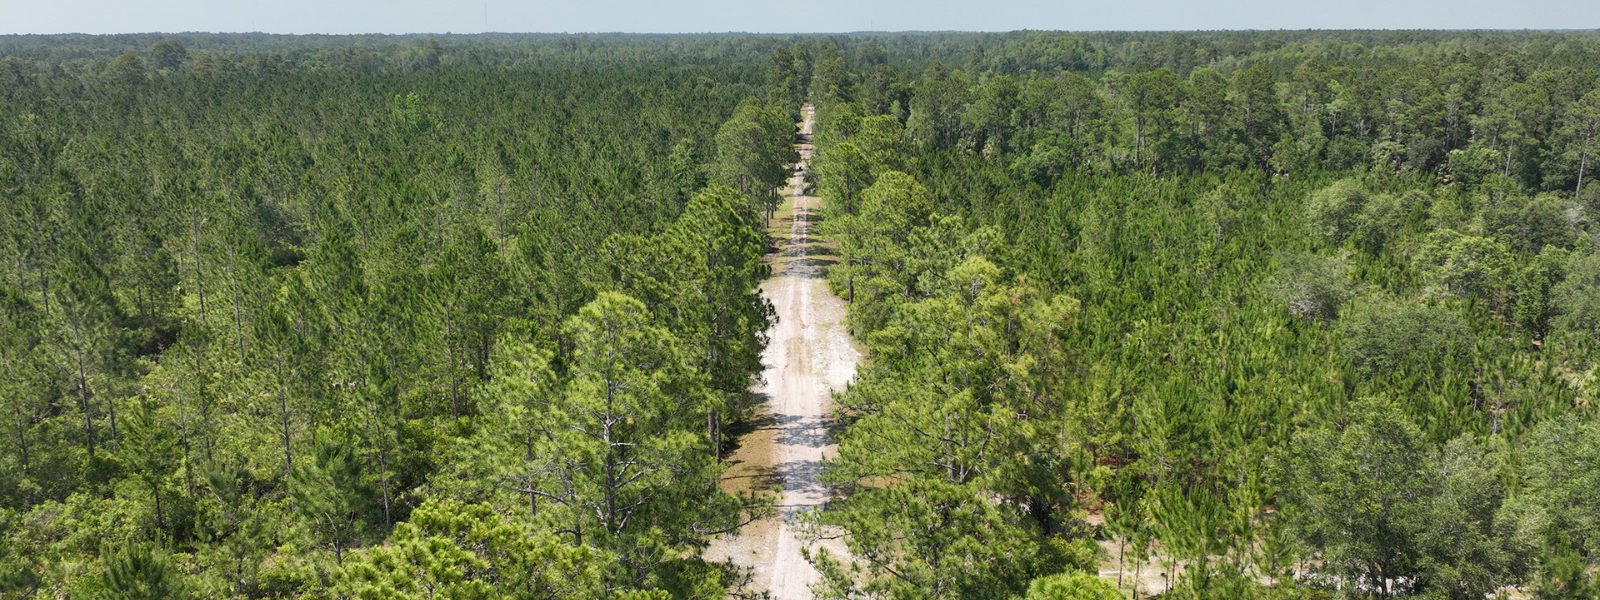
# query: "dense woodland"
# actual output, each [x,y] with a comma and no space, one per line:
[1313,320]
[256,322]
[1288,314]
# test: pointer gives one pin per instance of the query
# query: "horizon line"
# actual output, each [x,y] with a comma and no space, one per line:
[811,33]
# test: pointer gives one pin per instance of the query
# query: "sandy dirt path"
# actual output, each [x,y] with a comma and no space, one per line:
[809,354]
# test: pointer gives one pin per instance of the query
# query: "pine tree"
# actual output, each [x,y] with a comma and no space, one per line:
[140,572]
[334,495]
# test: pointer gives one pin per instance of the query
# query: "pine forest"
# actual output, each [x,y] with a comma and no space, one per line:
[1031,315]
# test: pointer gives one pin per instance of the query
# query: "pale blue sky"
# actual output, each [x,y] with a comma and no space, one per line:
[678,16]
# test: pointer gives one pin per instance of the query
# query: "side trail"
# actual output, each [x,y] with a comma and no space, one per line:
[809,355]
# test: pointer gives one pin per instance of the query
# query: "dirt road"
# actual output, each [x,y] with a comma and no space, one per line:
[809,354]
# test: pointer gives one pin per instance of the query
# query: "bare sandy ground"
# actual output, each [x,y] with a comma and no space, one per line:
[809,355]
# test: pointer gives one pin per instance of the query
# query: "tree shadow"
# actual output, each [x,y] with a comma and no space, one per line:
[734,438]
[809,216]
[820,261]
[733,434]
[809,432]
[761,477]
[803,476]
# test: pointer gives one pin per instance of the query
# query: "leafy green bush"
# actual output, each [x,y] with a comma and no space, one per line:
[1313,287]
[1461,265]
[1382,509]
[1469,166]
[1382,337]
[1333,213]
[1577,299]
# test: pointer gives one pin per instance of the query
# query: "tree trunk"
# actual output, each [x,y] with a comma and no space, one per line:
[714,431]
[1138,142]
[238,318]
[1138,575]
[450,356]
[44,288]
[1122,560]
[500,212]
[22,442]
[1582,165]
[283,421]
[155,490]
[199,284]
[183,438]
[611,482]
[83,396]
[111,412]
[206,440]
[851,294]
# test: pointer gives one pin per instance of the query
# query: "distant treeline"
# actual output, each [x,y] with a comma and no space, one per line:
[1014,53]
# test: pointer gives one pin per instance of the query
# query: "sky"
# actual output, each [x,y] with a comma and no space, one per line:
[765,16]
